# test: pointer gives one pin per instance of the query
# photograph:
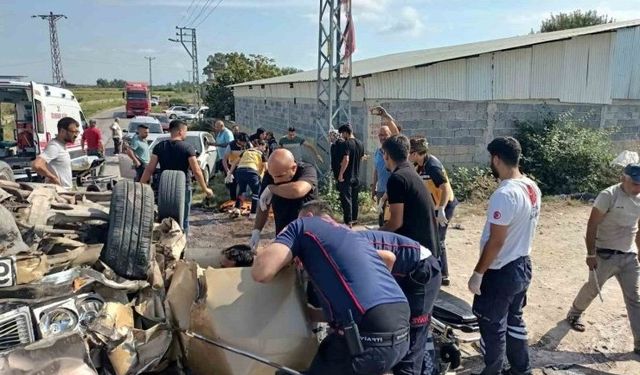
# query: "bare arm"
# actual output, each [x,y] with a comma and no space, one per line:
[261,218]
[40,167]
[343,167]
[195,169]
[225,162]
[149,170]
[375,183]
[444,198]
[292,190]
[234,165]
[269,261]
[595,219]
[132,156]
[396,219]
[497,236]
[388,258]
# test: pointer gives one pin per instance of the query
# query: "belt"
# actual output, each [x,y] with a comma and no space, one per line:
[371,339]
[612,251]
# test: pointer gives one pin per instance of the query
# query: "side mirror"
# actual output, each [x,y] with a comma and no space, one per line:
[125,130]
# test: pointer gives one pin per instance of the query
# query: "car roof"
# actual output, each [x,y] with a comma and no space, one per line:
[145,119]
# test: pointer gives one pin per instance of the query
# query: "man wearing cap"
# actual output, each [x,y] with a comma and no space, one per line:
[138,149]
[294,144]
[612,241]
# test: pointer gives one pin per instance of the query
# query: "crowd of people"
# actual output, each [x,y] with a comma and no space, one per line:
[376,288]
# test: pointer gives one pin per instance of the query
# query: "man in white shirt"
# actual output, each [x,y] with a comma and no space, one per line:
[116,135]
[503,273]
[54,163]
[612,241]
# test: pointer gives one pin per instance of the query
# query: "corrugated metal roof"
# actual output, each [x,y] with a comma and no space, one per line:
[434,55]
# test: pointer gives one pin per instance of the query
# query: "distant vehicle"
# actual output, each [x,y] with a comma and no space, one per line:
[155,128]
[202,142]
[36,109]
[164,120]
[176,110]
[193,113]
[137,97]
[155,100]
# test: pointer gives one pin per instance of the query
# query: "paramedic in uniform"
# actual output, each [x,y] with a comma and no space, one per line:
[503,273]
[355,288]
[417,272]
[612,249]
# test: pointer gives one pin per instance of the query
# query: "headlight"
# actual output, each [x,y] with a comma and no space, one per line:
[88,310]
[56,321]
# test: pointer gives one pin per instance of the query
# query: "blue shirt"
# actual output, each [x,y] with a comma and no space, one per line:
[224,137]
[345,268]
[381,169]
[408,252]
[140,148]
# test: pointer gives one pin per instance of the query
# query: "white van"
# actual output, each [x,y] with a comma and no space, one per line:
[31,121]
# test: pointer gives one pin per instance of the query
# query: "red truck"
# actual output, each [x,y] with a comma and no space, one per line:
[137,96]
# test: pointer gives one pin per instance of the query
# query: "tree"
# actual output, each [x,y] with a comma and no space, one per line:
[232,68]
[577,18]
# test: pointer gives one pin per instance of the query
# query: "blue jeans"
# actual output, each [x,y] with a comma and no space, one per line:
[187,209]
[499,312]
[248,178]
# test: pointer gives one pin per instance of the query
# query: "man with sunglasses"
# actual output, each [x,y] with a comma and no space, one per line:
[54,163]
[286,186]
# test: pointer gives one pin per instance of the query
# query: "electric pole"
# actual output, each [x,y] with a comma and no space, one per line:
[150,76]
[56,59]
[187,35]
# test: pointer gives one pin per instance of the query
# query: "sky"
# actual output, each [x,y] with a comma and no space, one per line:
[110,38]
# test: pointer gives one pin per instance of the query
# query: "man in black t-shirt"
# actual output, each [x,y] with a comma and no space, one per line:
[336,141]
[175,154]
[410,204]
[286,186]
[351,152]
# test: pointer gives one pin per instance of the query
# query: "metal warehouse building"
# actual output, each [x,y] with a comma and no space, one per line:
[460,97]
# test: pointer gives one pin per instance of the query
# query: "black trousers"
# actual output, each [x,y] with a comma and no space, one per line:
[348,192]
[117,146]
[442,234]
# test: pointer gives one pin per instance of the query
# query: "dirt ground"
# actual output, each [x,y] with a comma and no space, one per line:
[559,271]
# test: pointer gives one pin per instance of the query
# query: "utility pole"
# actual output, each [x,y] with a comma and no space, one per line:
[187,35]
[150,76]
[56,60]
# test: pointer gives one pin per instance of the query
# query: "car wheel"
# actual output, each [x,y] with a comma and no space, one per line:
[171,196]
[172,116]
[206,174]
[128,247]
[6,173]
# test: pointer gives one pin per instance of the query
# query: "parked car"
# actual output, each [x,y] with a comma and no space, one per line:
[176,110]
[155,100]
[193,113]
[155,128]
[164,120]
[202,142]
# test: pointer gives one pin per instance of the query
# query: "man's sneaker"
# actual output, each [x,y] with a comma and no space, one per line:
[445,281]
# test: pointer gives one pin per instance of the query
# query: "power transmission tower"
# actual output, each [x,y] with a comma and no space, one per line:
[150,76]
[187,35]
[56,60]
[334,72]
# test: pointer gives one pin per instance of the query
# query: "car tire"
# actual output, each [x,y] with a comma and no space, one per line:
[128,247]
[173,117]
[171,196]
[206,174]
[6,173]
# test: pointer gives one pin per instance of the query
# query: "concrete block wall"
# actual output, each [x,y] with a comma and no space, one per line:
[458,132]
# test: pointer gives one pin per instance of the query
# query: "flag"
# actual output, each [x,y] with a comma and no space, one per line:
[349,37]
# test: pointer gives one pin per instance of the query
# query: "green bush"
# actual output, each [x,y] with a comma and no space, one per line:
[331,196]
[472,184]
[178,101]
[566,156]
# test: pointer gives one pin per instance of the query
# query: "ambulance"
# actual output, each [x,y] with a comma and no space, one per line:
[29,116]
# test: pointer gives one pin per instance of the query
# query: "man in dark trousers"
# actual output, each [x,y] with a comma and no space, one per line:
[351,151]
[410,205]
[177,155]
[360,299]
[286,186]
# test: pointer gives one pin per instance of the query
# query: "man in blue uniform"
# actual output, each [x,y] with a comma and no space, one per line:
[360,299]
[417,272]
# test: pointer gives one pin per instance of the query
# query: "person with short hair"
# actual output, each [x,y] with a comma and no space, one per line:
[54,163]
[294,144]
[248,171]
[260,134]
[138,150]
[503,273]
[178,155]
[231,155]
[410,205]
[116,136]
[350,152]
[93,138]
[612,242]
[436,180]
[357,289]
[235,129]
[237,256]
[272,144]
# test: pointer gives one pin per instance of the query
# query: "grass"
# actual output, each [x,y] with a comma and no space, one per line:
[96,99]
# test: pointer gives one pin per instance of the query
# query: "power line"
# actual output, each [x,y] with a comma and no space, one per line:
[150,76]
[207,16]
[187,15]
[56,59]
[204,7]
